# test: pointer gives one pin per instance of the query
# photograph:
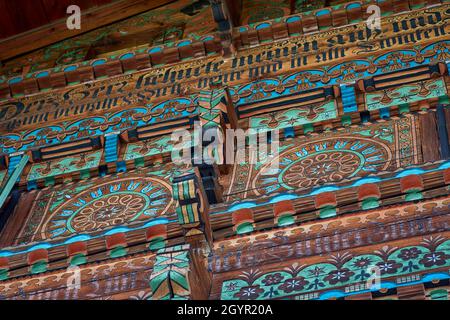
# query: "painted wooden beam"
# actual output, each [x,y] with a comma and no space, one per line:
[90,19]
[442,131]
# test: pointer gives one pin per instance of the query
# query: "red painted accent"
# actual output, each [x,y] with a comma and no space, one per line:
[447,176]
[412,182]
[325,199]
[76,248]
[242,215]
[116,240]
[4,263]
[156,231]
[368,190]
[283,207]
[37,255]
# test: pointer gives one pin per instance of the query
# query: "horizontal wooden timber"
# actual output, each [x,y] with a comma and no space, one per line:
[229,265]
[97,250]
[320,19]
[347,203]
[90,19]
[74,103]
[141,134]
[310,49]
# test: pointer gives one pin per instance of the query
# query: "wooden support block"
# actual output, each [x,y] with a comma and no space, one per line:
[58,80]
[295,27]
[411,183]
[156,231]
[171,55]
[429,137]
[142,61]
[325,21]
[416,4]
[280,31]
[361,296]
[113,68]
[367,191]
[414,292]
[340,18]
[265,34]
[400,6]
[253,37]
[325,199]
[156,58]
[44,83]
[5,92]
[185,52]
[432,2]
[79,247]
[212,46]
[30,86]
[37,255]
[129,64]
[17,88]
[116,240]
[80,75]
[198,49]
[354,14]
[386,8]
[310,25]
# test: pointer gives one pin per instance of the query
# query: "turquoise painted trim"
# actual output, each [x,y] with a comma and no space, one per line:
[70,68]
[77,239]
[365,181]
[293,19]
[324,189]
[184,43]
[15,80]
[323,12]
[262,26]
[126,56]
[156,49]
[41,74]
[117,230]
[84,237]
[332,294]
[353,6]
[387,285]
[410,172]
[283,197]
[242,205]
[98,62]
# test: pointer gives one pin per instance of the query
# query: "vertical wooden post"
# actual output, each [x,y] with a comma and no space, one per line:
[429,135]
[442,131]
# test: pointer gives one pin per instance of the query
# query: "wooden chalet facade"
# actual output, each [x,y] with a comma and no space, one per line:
[93,207]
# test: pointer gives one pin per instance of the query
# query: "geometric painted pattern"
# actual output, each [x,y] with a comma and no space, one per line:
[65,165]
[295,116]
[406,94]
[169,279]
[310,162]
[95,205]
[339,270]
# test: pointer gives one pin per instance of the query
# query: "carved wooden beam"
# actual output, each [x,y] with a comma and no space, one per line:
[90,19]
